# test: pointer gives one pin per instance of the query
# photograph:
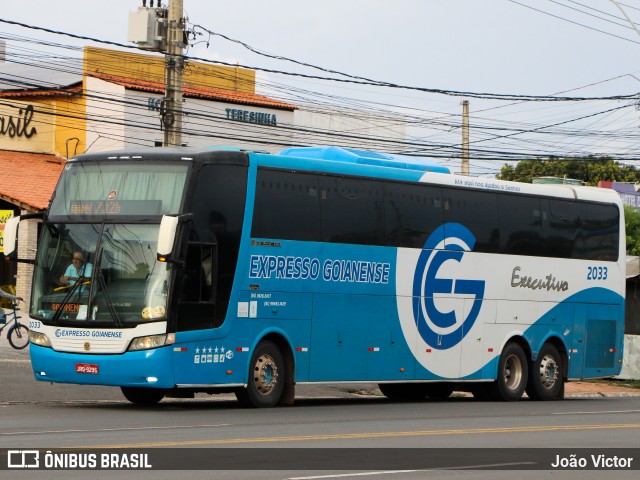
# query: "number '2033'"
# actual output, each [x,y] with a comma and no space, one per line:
[597,273]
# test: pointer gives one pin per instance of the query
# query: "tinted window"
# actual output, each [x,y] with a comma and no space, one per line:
[218,205]
[599,233]
[478,211]
[286,206]
[352,211]
[521,226]
[412,213]
[560,227]
[315,207]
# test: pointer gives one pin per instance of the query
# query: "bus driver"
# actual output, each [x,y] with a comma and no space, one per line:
[78,268]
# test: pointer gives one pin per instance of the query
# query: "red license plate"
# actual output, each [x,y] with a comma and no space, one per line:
[87,368]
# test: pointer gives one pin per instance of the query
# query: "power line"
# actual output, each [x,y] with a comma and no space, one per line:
[353,80]
[575,23]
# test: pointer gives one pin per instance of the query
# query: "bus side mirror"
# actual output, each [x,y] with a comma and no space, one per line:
[10,236]
[166,237]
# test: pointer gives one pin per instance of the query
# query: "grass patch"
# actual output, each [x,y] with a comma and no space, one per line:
[616,382]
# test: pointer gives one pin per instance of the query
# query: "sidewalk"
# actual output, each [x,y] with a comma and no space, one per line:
[592,389]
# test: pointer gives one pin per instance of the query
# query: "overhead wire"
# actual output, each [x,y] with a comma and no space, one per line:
[486,154]
[353,79]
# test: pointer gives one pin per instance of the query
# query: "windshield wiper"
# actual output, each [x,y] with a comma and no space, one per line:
[107,297]
[103,286]
[67,297]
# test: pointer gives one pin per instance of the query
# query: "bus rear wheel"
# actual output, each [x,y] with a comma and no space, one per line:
[546,381]
[142,395]
[266,379]
[512,374]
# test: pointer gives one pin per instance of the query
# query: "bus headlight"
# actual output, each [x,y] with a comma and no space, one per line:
[40,339]
[151,341]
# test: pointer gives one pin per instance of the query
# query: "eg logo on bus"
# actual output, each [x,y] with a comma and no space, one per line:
[442,330]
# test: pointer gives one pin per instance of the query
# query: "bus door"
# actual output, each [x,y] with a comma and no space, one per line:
[596,338]
[475,356]
[196,316]
[339,343]
[388,355]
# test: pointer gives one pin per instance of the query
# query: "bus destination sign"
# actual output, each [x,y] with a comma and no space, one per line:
[115,207]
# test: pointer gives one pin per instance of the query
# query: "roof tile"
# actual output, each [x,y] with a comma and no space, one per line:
[28,179]
[192,91]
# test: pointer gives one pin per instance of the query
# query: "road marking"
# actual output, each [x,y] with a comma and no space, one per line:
[390,472]
[362,474]
[40,432]
[351,436]
[596,413]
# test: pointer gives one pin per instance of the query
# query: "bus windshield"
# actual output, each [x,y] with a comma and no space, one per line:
[99,274]
[108,189]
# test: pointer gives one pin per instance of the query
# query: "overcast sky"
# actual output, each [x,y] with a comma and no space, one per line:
[494,46]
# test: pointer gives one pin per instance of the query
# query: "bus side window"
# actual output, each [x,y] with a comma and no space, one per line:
[206,264]
[196,306]
[197,280]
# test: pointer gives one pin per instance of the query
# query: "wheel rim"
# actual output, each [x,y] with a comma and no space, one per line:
[512,372]
[265,374]
[548,371]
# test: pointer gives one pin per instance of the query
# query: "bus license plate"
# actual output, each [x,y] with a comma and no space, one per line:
[87,368]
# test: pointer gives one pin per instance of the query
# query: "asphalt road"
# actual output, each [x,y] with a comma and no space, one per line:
[322,427]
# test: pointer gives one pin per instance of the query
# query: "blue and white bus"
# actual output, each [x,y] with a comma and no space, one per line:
[234,271]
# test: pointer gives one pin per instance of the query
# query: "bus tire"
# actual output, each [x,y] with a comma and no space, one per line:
[404,392]
[18,336]
[512,374]
[546,381]
[266,378]
[143,395]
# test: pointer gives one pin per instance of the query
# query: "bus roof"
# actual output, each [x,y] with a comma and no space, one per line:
[364,157]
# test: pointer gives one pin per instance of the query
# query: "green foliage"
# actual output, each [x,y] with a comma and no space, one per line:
[590,170]
[632,224]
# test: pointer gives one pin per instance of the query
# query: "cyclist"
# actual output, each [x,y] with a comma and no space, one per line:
[13,298]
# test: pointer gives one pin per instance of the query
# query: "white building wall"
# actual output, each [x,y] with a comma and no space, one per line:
[105,101]
[210,123]
[631,358]
[349,128]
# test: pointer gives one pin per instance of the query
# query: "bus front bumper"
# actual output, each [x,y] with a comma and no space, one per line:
[147,368]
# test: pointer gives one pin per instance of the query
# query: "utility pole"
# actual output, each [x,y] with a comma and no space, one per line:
[174,69]
[465,138]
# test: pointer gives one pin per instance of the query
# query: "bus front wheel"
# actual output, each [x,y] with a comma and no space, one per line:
[266,379]
[142,395]
[512,374]
[546,376]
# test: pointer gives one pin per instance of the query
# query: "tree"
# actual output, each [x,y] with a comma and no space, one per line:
[632,224]
[590,170]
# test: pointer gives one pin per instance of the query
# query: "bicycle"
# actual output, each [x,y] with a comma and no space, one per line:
[18,333]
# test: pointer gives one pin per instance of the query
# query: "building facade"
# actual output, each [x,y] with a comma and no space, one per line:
[112,100]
